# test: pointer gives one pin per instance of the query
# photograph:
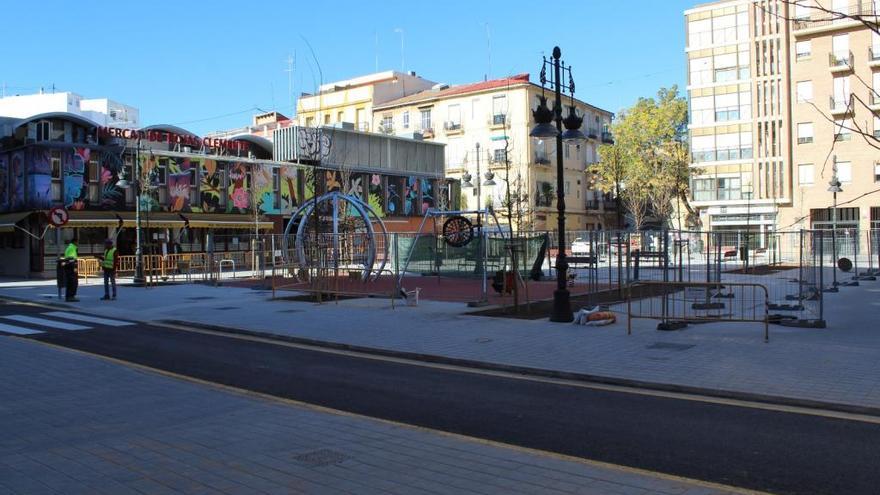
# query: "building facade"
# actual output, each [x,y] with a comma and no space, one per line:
[351,101]
[781,94]
[836,81]
[485,127]
[190,186]
[739,94]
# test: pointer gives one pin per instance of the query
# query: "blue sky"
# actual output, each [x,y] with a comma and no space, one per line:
[207,65]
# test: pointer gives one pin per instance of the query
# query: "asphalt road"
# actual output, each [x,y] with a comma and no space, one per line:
[774,451]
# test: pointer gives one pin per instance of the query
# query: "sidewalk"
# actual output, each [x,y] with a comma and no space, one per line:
[72,423]
[836,365]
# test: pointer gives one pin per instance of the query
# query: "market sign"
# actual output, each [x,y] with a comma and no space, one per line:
[172,138]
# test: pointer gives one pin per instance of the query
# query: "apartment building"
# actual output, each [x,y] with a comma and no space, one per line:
[781,95]
[836,80]
[738,86]
[351,101]
[485,127]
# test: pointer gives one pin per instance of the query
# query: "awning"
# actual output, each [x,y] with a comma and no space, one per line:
[8,220]
[165,220]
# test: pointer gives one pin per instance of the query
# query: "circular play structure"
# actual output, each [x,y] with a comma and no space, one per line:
[458,231]
[336,231]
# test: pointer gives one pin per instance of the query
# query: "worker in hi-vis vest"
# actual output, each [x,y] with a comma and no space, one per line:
[71,273]
[109,263]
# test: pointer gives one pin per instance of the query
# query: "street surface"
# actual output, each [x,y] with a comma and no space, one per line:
[755,448]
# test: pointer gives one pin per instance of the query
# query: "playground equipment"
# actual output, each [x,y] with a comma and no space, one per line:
[335,231]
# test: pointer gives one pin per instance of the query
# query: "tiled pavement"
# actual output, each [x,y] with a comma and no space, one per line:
[71,423]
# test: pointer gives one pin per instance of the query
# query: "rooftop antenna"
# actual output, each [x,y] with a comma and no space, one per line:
[488,53]
[402,59]
[291,66]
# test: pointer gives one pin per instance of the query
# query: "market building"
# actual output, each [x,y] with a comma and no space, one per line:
[230,187]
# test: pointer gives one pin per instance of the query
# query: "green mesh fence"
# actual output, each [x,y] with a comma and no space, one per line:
[430,254]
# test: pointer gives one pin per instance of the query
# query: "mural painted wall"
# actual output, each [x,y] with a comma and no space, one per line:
[179,180]
[112,196]
[377,194]
[39,179]
[16,180]
[210,192]
[4,182]
[238,199]
[76,188]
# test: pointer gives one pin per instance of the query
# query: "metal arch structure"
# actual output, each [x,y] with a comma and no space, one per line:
[363,210]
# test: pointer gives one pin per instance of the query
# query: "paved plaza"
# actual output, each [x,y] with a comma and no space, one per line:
[834,365]
[71,423]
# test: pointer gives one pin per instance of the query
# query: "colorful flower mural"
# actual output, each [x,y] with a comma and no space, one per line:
[16,179]
[179,181]
[238,195]
[209,187]
[4,182]
[75,187]
[39,179]
[377,194]
[411,199]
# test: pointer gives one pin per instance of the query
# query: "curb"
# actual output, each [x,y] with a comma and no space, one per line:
[545,373]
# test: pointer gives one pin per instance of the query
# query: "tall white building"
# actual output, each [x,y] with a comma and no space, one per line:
[102,111]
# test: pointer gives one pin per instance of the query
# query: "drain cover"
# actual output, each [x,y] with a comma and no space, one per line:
[322,457]
[670,346]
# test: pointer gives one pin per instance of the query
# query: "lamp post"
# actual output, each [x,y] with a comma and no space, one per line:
[480,265]
[139,280]
[834,188]
[544,129]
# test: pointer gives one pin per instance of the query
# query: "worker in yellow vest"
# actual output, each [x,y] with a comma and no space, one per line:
[71,273]
[109,263]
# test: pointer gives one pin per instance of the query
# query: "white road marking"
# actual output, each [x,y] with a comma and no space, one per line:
[17,330]
[44,322]
[88,319]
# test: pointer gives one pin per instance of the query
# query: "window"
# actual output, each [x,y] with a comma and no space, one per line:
[567,187]
[56,164]
[803,49]
[702,110]
[844,171]
[567,149]
[406,119]
[499,109]
[310,122]
[161,170]
[387,125]
[725,67]
[805,174]
[876,126]
[701,70]
[877,172]
[339,116]
[326,119]
[842,130]
[804,90]
[840,48]
[805,132]
[699,33]
[841,92]
[454,114]
[498,155]
[426,119]
[43,130]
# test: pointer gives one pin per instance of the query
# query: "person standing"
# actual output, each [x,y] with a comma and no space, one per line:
[71,272]
[109,263]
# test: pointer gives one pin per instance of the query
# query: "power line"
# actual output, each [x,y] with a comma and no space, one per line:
[231,114]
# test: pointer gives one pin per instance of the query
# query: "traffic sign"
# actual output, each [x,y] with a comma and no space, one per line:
[58,216]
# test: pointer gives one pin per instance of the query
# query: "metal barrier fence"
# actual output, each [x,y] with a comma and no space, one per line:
[677,304]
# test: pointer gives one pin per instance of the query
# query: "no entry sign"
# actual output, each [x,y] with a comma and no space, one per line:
[58,216]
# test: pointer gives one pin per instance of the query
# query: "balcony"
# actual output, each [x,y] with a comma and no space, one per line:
[874,101]
[840,62]
[427,132]
[838,106]
[822,21]
[542,159]
[722,154]
[592,204]
[607,137]
[498,121]
[593,133]
[874,56]
[452,127]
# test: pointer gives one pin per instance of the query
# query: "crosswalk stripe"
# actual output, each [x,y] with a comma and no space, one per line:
[88,319]
[17,330]
[44,322]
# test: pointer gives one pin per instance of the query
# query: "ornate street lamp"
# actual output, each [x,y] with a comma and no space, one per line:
[544,129]
[834,188]
[135,182]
